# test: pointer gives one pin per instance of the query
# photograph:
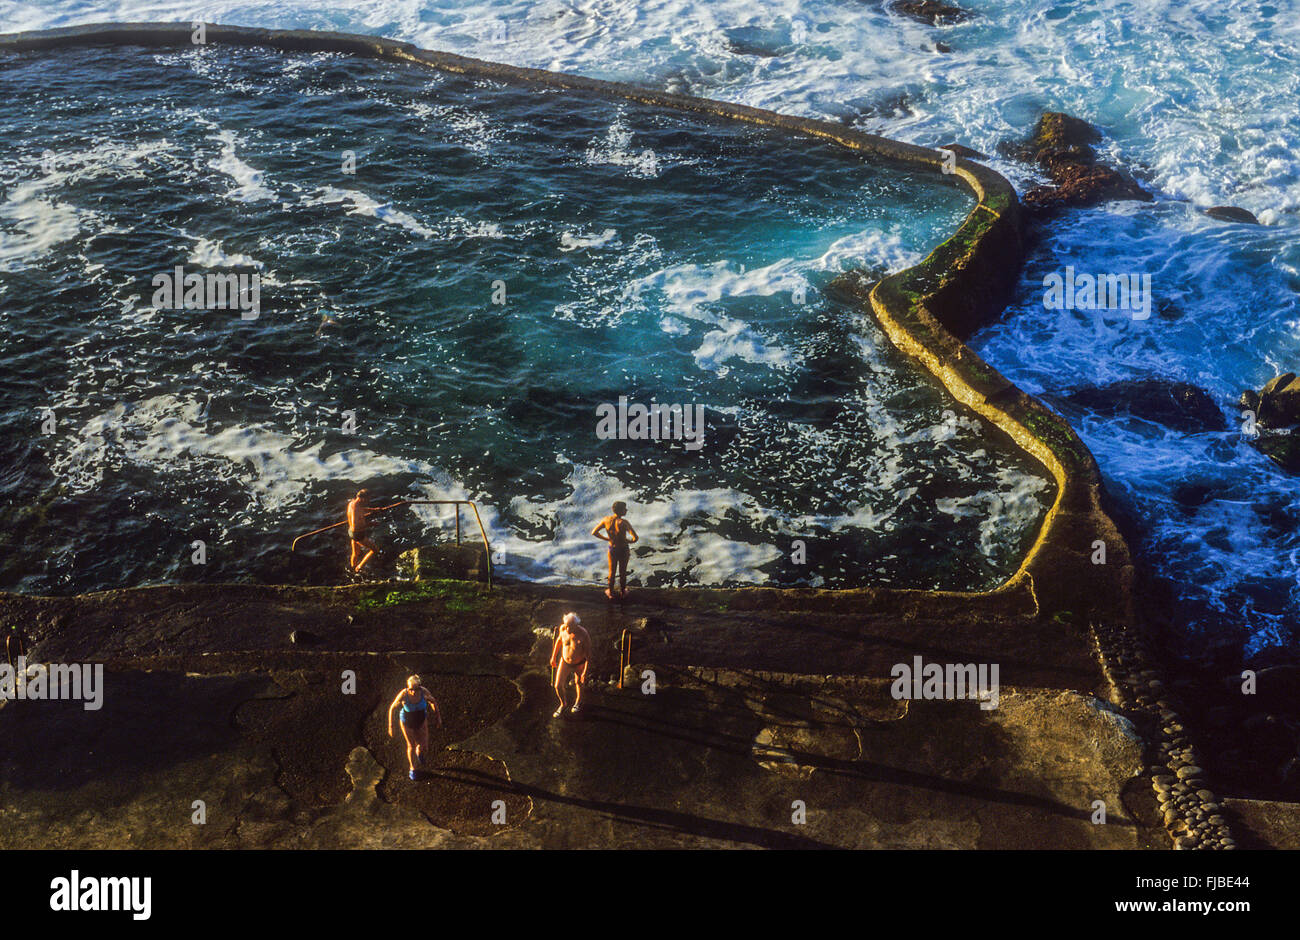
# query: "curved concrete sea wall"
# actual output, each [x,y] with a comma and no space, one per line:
[925,310]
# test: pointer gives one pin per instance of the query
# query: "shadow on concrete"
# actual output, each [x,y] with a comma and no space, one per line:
[148,721]
[643,816]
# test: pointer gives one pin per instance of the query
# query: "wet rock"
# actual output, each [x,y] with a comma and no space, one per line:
[1278,403]
[942,47]
[303,638]
[1078,185]
[1193,495]
[934,12]
[1219,716]
[1256,722]
[1277,420]
[1232,214]
[1062,145]
[1059,137]
[1278,687]
[895,104]
[1169,310]
[748,45]
[1180,406]
[434,562]
[963,151]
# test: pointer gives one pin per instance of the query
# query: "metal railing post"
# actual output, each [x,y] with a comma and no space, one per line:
[487,549]
[624,655]
[16,639]
[487,546]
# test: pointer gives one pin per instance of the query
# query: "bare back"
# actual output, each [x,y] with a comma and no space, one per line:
[617,528]
[356,516]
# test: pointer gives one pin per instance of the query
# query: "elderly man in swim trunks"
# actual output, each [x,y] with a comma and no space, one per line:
[570,657]
[620,535]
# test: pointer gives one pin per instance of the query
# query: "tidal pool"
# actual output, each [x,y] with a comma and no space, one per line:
[454,280]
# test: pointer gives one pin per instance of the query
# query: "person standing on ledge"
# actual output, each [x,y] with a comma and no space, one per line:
[620,535]
[416,703]
[359,527]
[570,657]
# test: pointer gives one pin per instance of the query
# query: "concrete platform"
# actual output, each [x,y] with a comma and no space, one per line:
[230,711]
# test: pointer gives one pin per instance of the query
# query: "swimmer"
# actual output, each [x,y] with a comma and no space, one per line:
[416,703]
[620,535]
[359,527]
[570,658]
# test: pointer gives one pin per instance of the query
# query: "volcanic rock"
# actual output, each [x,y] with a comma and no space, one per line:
[934,12]
[1062,145]
[963,151]
[1277,420]
[1232,214]
[1177,405]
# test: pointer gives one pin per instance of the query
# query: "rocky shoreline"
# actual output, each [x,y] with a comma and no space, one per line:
[1069,633]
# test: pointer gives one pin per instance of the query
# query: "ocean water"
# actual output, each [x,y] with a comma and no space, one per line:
[1197,98]
[445,321]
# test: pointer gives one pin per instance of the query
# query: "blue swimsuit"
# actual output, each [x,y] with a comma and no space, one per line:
[413,715]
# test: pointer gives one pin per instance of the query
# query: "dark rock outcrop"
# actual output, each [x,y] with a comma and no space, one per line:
[1062,146]
[1278,403]
[741,45]
[1177,405]
[934,12]
[1232,214]
[963,151]
[1277,420]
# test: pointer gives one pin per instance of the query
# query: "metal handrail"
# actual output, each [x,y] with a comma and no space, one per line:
[487,547]
[624,655]
[14,636]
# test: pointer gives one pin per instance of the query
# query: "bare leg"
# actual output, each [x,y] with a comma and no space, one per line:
[422,741]
[562,673]
[622,574]
[365,543]
[410,746]
[613,567]
[578,675]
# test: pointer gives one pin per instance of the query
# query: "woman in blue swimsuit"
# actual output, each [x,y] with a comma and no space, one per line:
[416,704]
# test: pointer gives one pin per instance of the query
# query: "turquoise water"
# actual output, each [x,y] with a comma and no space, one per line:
[446,321]
[1197,97]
